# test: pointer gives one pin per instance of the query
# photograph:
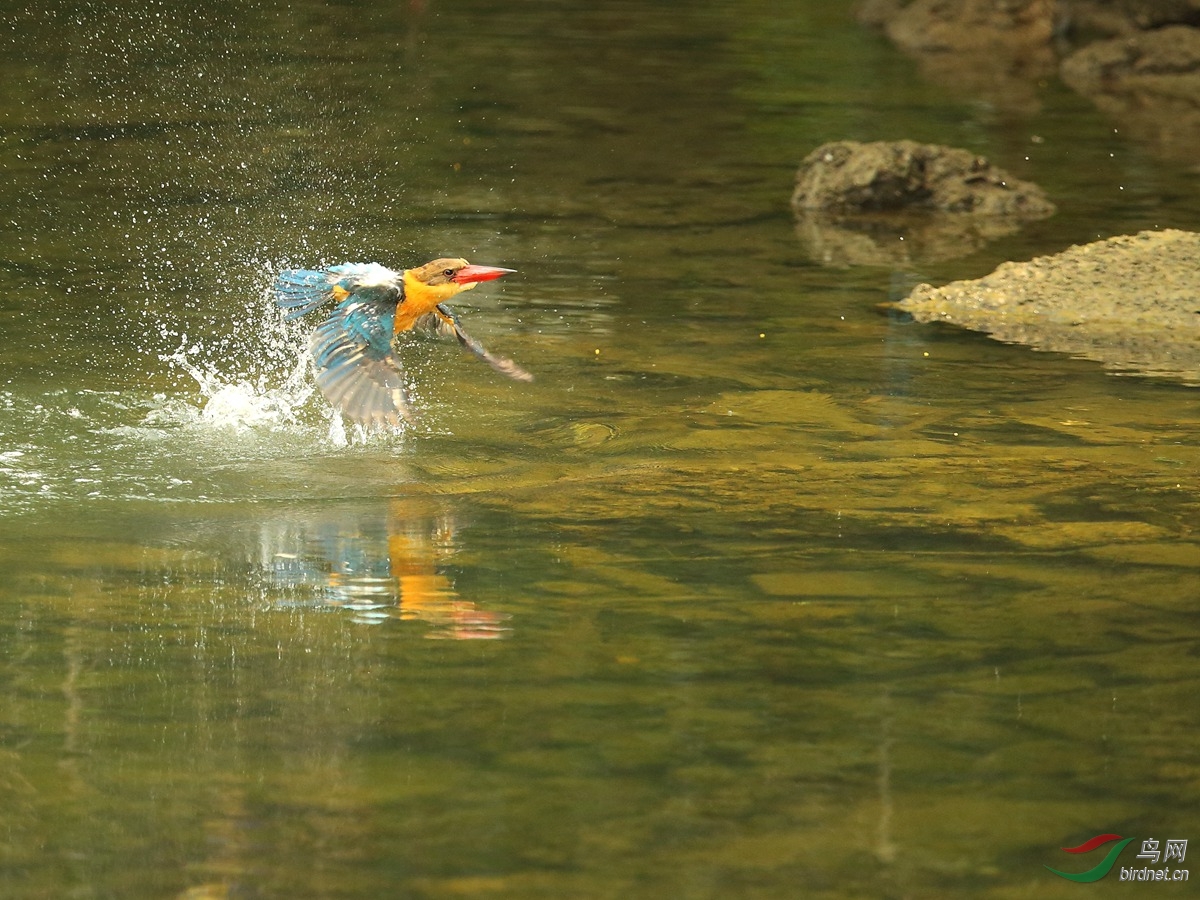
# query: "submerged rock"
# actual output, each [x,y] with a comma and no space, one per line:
[997,49]
[1143,71]
[892,202]
[1150,82]
[1129,302]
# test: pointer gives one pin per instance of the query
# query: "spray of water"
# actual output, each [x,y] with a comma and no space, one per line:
[252,372]
[241,403]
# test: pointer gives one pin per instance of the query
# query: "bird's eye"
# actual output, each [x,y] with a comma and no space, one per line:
[449,273]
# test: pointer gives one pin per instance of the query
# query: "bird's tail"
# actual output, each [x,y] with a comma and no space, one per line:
[300,291]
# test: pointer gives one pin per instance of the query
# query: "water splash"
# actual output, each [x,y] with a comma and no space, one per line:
[241,403]
[252,370]
[250,366]
[244,419]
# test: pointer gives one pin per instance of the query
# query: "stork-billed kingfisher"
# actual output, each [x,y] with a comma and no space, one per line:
[354,351]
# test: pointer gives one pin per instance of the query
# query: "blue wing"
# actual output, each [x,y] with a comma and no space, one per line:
[354,363]
[352,349]
[300,291]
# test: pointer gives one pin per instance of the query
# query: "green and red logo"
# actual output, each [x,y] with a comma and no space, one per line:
[1175,850]
[1102,868]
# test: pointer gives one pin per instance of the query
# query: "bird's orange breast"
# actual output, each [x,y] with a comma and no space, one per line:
[408,313]
[421,298]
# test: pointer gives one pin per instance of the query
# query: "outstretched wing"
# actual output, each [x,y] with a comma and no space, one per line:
[351,350]
[444,323]
[354,364]
[301,291]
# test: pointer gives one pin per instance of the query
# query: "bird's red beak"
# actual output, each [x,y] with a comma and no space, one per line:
[472,274]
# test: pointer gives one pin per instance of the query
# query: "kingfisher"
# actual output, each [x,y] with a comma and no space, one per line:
[355,350]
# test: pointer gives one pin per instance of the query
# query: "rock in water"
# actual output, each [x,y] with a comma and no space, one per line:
[895,202]
[1130,302]
[894,175]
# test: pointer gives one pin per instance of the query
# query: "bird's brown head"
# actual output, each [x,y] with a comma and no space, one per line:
[428,285]
[456,271]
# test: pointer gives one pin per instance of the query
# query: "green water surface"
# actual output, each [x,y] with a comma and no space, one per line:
[756,591]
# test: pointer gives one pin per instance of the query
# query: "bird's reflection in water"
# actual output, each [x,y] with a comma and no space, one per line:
[379,563]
